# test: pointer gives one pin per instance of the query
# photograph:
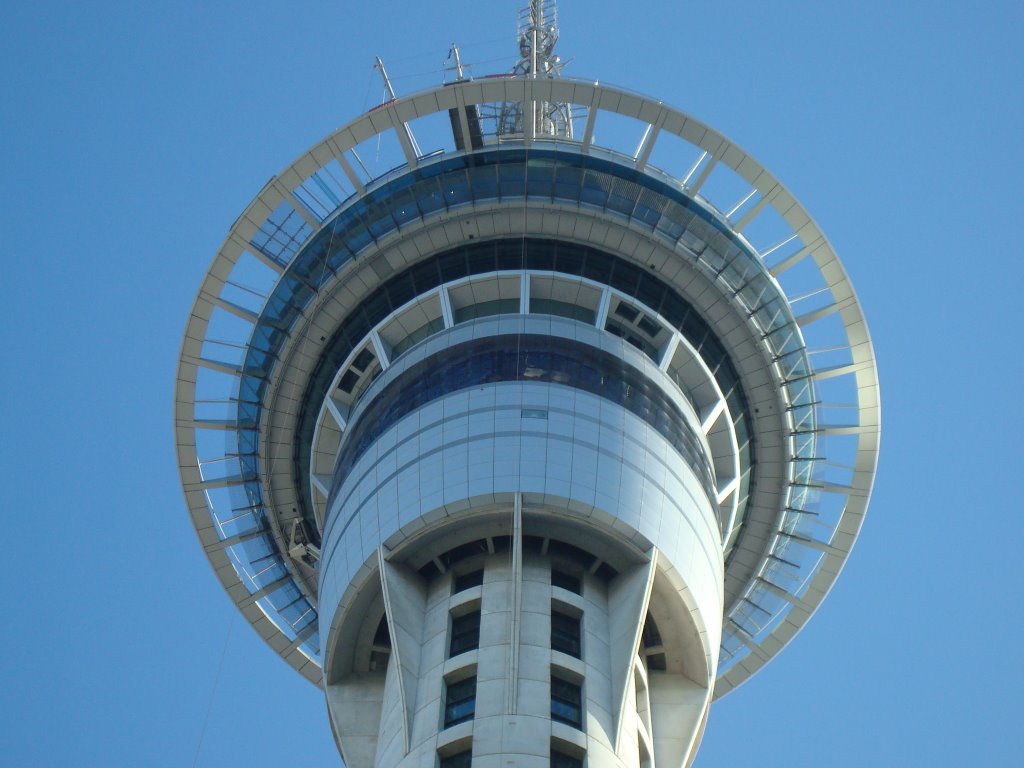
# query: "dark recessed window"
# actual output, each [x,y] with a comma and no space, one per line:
[429,570]
[460,702]
[382,636]
[465,633]
[467,580]
[561,309]
[363,360]
[627,312]
[348,381]
[461,552]
[533,543]
[638,343]
[566,581]
[651,642]
[570,552]
[381,646]
[565,633]
[562,760]
[657,662]
[566,702]
[605,572]
[460,760]
[651,637]
[649,327]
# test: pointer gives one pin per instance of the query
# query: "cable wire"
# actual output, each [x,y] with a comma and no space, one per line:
[213,691]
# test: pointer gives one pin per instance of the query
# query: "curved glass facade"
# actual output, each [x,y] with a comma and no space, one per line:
[510,175]
[534,254]
[564,176]
[524,357]
[492,176]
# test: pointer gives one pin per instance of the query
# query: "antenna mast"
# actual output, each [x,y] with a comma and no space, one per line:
[537,32]
[414,146]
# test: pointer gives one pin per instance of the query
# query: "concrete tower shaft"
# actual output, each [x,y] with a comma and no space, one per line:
[544,456]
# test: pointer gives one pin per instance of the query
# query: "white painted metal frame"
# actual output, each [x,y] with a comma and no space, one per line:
[719,414]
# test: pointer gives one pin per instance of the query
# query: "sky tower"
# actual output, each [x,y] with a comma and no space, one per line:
[526,416]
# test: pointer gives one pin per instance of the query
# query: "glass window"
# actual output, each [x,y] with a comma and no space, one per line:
[536,254]
[429,197]
[348,381]
[460,702]
[521,357]
[595,189]
[567,182]
[626,311]
[363,360]
[565,633]
[561,309]
[566,702]
[459,760]
[511,181]
[571,178]
[566,581]
[484,182]
[562,760]
[465,633]
[648,326]
[540,177]
[657,662]
[467,580]
[486,309]
[428,329]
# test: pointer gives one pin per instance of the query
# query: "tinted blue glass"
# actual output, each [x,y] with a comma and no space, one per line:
[570,258]
[566,702]
[429,197]
[404,207]
[540,178]
[561,760]
[484,182]
[456,188]
[465,633]
[565,175]
[524,357]
[565,634]
[460,702]
[595,189]
[461,760]
[510,181]
[567,181]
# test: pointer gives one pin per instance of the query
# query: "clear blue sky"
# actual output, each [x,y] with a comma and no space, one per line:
[132,135]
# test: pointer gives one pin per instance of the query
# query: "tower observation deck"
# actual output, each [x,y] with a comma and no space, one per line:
[530,447]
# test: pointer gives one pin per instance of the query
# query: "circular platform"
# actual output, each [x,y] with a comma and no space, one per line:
[785,378]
